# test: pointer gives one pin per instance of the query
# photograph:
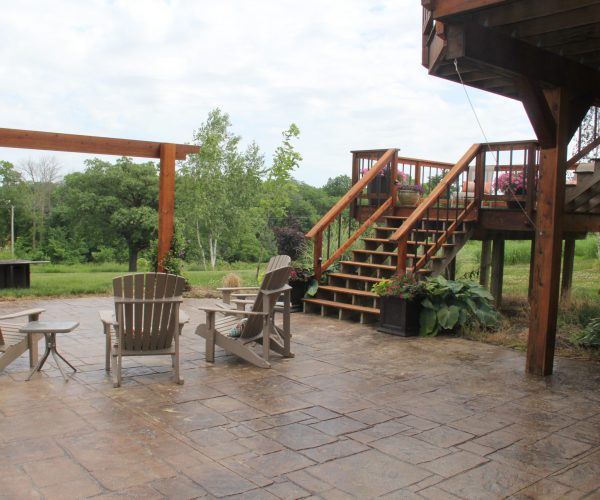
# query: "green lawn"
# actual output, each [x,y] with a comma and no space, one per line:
[80,279]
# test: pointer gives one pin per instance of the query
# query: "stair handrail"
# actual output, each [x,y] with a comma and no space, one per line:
[316,233]
[401,235]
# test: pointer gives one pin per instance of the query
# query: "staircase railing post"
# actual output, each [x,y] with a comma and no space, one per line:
[479,177]
[402,255]
[393,187]
[317,254]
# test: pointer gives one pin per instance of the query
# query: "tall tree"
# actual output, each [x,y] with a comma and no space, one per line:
[111,204]
[217,186]
[41,177]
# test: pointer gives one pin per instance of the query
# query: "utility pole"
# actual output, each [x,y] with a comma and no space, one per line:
[12,230]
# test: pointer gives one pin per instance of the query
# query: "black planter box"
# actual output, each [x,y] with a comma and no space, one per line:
[379,189]
[297,292]
[399,316]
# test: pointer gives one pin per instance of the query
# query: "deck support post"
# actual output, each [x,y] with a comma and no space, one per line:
[567,269]
[166,202]
[497,270]
[484,264]
[548,241]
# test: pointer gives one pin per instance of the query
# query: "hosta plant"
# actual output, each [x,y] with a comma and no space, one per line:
[449,305]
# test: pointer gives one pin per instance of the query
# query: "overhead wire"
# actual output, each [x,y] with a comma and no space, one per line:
[487,142]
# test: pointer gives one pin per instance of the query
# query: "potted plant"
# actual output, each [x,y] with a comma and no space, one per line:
[300,281]
[409,193]
[400,304]
[513,184]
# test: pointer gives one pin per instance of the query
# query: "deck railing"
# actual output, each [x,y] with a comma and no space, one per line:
[337,230]
[493,176]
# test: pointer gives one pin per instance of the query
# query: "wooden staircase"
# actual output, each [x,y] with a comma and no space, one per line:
[347,292]
[584,197]
[384,238]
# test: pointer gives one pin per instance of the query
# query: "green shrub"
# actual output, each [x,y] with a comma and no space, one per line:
[588,248]
[590,337]
[454,304]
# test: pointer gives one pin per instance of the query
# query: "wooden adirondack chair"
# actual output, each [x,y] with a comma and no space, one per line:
[13,343]
[147,318]
[260,325]
[244,292]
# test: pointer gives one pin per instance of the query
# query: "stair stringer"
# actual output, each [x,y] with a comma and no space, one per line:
[439,266]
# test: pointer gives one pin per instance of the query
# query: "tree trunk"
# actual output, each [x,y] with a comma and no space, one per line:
[133,254]
[213,252]
[199,240]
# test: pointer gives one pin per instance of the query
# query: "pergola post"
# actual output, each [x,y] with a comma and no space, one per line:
[166,202]
[548,240]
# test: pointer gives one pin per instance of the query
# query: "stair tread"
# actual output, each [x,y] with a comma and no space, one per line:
[368,264]
[349,291]
[370,279]
[402,218]
[383,228]
[376,252]
[409,242]
[343,305]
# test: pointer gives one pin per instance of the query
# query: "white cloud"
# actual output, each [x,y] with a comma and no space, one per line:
[348,73]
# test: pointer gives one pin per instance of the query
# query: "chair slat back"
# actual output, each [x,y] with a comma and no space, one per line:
[146,324]
[278,261]
[273,280]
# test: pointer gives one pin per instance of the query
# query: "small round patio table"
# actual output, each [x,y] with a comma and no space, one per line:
[50,329]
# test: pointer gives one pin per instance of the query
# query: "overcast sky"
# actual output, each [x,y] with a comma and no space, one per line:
[348,73]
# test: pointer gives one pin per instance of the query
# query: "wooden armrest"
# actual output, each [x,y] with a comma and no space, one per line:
[28,312]
[278,290]
[242,295]
[231,289]
[229,312]
[107,316]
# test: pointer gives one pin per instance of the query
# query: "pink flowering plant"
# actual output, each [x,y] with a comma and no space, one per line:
[298,274]
[512,182]
[402,285]
[404,183]
[366,170]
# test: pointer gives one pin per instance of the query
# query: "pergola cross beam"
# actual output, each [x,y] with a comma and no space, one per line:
[73,143]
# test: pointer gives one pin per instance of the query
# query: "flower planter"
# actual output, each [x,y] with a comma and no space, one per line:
[379,188]
[408,198]
[399,316]
[297,292]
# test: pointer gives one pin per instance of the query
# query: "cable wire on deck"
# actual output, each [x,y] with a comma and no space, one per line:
[487,140]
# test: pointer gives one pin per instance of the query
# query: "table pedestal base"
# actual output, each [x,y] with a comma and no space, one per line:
[51,348]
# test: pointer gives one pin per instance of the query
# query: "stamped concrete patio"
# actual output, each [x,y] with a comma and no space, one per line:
[357,414]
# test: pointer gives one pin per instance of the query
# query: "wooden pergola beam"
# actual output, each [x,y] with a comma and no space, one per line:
[73,143]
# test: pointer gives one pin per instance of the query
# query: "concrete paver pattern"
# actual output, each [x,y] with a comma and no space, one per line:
[356,414]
